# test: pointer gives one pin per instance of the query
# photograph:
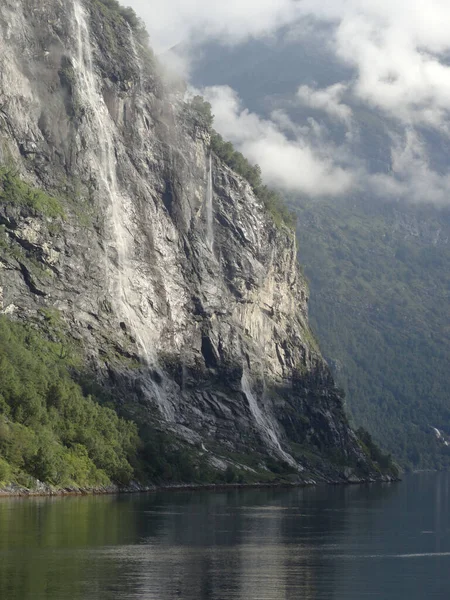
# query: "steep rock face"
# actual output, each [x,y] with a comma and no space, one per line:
[162,263]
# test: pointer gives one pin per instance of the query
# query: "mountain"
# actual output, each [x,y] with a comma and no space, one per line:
[154,319]
[378,266]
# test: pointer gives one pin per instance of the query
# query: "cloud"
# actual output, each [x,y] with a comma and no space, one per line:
[327,99]
[399,53]
[412,177]
[288,163]
[399,50]
[173,21]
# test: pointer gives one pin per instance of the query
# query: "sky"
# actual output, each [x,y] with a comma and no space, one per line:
[399,52]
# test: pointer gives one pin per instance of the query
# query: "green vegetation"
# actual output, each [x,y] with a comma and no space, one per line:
[380,300]
[382,460]
[273,202]
[203,110]
[49,429]
[14,191]
[128,15]
[126,12]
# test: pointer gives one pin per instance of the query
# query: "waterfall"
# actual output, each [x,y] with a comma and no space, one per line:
[97,116]
[101,128]
[261,420]
[137,58]
[209,207]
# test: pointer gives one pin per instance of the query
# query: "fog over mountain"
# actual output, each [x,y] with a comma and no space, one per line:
[384,67]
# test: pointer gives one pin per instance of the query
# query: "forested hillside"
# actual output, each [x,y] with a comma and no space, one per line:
[380,298]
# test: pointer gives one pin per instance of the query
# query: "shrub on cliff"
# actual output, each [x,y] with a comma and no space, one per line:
[129,15]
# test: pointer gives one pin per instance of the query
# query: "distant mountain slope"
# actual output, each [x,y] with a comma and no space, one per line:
[380,297]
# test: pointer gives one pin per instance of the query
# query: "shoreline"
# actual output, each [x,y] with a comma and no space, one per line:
[48,492]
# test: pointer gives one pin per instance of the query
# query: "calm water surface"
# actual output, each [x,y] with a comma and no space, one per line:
[341,543]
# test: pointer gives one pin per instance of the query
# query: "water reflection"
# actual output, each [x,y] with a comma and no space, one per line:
[43,542]
[324,543]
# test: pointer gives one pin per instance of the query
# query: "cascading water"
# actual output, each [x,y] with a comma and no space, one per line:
[101,127]
[209,207]
[266,430]
[137,58]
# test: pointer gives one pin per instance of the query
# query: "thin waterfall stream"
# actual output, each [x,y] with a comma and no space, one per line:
[104,160]
[209,207]
[264,424]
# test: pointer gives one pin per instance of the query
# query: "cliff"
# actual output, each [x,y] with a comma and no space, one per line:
[158,260]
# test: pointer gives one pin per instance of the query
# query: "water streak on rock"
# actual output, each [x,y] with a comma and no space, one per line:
[120,273]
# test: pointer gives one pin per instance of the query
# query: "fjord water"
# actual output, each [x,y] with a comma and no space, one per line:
[334,543]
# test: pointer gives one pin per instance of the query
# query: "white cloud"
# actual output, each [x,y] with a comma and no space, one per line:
[412,178]
[327,99]
[396,46]
[398,49]
[400,53]
[292,164]
[173,21]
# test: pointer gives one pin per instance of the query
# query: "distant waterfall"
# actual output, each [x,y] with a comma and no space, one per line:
[101,127]
[96,113]
[262,421]
[209,207]
[137,58]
